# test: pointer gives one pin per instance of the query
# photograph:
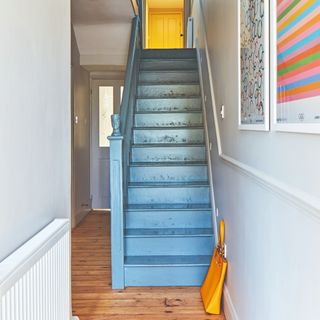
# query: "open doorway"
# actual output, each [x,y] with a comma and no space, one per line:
[164,24]
[105,100]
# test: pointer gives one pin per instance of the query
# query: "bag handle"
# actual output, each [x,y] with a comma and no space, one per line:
[221,236]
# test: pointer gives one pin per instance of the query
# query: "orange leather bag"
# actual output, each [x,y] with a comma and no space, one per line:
[211,290]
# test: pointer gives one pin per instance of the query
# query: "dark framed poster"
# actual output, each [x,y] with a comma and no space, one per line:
[254,77]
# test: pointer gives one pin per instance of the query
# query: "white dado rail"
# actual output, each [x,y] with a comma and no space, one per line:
[309,204]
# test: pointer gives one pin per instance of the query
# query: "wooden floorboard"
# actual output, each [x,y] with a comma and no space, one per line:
[93,298]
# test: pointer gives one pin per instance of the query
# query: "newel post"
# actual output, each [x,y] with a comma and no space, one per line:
[116,190]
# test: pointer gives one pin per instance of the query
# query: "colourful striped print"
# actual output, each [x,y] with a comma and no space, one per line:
[299,76]
[298,49]
[285,6]
[300,35]
[298,71]
[299,16]
[293,11]
[299,43]
[297,6]
[299,25]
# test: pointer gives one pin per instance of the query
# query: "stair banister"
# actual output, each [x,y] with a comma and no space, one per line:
[120,157]
[130,74]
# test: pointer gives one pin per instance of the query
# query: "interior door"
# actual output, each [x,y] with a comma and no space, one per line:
[166,30]
[106,99]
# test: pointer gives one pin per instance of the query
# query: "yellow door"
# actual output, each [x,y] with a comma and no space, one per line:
[165,30]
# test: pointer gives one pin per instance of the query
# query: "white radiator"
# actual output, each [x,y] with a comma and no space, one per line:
[35,279]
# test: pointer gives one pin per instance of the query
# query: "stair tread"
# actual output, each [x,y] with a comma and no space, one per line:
[130,209]
[166,260]
[169,97]
[168,164]
[169,50]
[163,83]
[168,184]
[169,206]
[170,71]
[171,112]
[147,59]
[161,72]
[167,145]
[163,232]
[191,127]
[185,69]
[169,127]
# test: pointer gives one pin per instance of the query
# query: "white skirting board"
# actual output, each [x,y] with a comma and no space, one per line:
[228,307]
[35,279]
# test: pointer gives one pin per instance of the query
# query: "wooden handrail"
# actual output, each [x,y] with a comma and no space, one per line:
[135,7]
[120,157]
[129,73]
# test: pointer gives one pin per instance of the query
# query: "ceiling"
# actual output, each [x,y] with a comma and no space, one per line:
[102,29]
[101,11]
[165,4]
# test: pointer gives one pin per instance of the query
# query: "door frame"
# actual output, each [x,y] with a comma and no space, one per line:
[186,15]
[166,12]
[145,22]
[94,82]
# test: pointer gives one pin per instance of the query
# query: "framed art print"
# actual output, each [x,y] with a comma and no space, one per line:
[253,53]
[296,65]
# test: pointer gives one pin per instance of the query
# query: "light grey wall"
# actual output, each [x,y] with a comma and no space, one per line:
[81,136]
[267,188]
[104,44]
[34,118]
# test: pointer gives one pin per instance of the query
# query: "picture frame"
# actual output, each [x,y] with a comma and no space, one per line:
[253,65]
[295,95]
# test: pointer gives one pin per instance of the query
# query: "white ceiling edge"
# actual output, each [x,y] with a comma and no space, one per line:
[105,73]
[115,60]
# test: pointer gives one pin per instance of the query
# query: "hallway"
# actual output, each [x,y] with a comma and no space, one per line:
[93,298]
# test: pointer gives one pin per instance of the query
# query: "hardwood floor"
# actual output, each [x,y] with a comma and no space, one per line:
[92,297]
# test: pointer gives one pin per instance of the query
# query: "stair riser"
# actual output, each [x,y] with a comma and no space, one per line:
[168,120]
[164,77]
[168,219]
[159,195]
[162,154]
[169,54]
[165,276]
[187,135]
[159,246]
[149,105]
[168,174]
[154,64]
[167,91]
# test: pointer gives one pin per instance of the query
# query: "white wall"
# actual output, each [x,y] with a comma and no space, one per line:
[81,136]
[267,187]
[34,118]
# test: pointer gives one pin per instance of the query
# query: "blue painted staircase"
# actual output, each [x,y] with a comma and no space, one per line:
[161,212]
[168,235]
